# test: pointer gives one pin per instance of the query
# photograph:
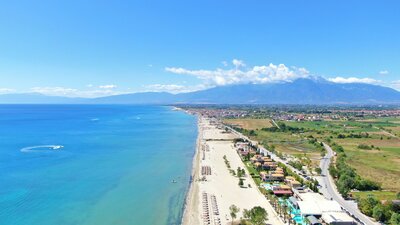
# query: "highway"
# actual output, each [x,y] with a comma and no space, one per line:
[328,189]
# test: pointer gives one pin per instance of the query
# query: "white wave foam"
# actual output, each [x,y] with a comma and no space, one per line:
[42,148]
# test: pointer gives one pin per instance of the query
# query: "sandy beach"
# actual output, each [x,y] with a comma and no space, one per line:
[214,189]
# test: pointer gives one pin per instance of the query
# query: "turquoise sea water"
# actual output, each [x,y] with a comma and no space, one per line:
[115,166]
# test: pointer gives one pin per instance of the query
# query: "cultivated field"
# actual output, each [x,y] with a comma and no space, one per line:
[249,124]
[379,162]
[372,146]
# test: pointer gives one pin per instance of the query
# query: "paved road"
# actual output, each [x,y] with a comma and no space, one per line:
[329,189]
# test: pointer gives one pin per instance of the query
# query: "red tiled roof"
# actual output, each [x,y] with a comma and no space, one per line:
[282,192]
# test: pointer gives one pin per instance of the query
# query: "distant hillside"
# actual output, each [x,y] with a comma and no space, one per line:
[35,98]
[137,98]
[301,91]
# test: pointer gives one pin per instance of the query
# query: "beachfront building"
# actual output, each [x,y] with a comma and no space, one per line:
[255,158]
[313,206]
[274,177]
[279,170]
[337,218]
[263,175]
[292,182]
[281,190]
[269,165]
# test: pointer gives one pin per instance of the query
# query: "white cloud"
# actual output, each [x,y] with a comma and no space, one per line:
[238,63]
[173,88]
[383,72]
[395,84]
[241,74]
[344,80]
[59,91]
[6,90]
[72,92]
[108,86]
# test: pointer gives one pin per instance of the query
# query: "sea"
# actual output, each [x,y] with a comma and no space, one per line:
[94,164]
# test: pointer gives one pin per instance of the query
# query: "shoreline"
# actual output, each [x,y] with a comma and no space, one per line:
[191,199]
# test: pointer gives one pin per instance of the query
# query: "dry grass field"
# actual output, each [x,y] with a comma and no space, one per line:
[249,124]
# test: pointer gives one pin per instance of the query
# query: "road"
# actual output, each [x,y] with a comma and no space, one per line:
[329,189]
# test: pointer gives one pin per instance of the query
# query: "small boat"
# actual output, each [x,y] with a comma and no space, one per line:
[173,181]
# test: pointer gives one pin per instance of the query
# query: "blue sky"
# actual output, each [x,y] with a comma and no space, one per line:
[95,48]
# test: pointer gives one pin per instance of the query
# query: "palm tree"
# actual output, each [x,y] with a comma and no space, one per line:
[233,211]
[285,213]
[273,200]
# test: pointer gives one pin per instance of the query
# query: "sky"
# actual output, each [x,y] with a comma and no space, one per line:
[97,48]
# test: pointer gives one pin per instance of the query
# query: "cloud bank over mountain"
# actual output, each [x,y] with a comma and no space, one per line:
[241,74]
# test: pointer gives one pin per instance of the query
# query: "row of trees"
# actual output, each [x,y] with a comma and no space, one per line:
[353,135]
[367,147]
[387,213]
[255,216]
[348,179]
[296,164]
[318,145]
[284,128]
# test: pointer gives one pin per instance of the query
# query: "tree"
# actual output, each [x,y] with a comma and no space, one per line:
[257,215]
[233,211]
[318,170]
[241,182]
[378,213]
[239,172]
[395,219]
[367,205]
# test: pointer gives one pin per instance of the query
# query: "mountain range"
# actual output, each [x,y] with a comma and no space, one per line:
[300,91]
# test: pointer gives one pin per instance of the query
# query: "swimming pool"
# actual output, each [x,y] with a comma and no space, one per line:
[295,213]
[268,186]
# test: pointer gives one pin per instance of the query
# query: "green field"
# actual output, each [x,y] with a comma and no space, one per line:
[382,163]
[381,195]
[296,145]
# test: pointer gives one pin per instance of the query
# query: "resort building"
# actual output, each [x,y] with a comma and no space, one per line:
[282,190]
[279,170]
[292,182]
[269,165]
[274,177]
[337,218]
[313,205]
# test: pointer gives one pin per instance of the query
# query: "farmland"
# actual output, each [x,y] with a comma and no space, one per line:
[372,146]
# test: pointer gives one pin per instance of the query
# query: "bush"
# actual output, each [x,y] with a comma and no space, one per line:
[364,146]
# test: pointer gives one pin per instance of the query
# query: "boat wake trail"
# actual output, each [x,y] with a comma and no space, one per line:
[42,148]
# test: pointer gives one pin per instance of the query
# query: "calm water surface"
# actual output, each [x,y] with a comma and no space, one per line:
[87,164]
